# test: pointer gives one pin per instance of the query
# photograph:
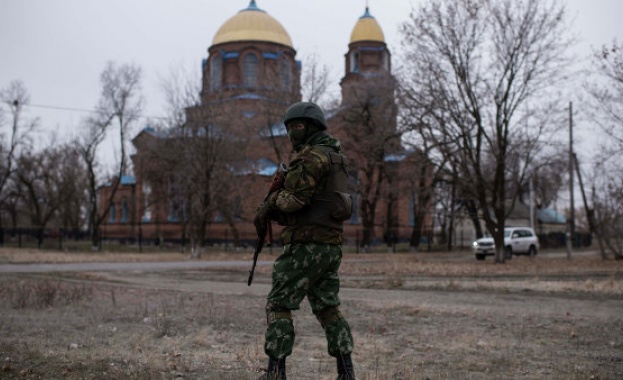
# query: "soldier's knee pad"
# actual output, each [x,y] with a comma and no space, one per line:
[275,311]
[328,316]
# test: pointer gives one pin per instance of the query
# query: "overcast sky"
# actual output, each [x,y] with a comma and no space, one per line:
[58,48]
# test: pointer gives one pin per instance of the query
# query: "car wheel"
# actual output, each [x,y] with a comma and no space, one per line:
[508,252]
[480,256]
[532,251]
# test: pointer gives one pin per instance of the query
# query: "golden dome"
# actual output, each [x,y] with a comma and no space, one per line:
[252,24]
[367,29]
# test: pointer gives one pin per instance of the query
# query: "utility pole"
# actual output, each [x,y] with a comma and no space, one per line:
[531,204]
[571,221]
[590,213]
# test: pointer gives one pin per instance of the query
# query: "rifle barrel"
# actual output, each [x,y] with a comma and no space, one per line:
[258,248]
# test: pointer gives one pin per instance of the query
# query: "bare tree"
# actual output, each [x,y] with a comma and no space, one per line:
[316,80]
[194,160]
[421,177]
[607,215]
[548,175]
[181,90]
[369,136]
[120,101]
[13,99]
[48,183]
[273,132]
[87,144]
[482,75]
[72,173]
[190,170]
[605,92]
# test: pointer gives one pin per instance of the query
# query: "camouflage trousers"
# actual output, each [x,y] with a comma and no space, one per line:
[306,270]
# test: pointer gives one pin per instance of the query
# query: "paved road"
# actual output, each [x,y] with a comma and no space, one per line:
[154,266]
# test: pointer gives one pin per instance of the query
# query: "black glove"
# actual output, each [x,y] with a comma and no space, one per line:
[264,214]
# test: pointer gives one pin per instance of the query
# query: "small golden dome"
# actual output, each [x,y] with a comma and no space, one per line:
[252,24]
[367,29]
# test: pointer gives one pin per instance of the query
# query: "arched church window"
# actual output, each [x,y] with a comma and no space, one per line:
[216,75]
[249,70]
[286,74]
[354,62]
[125,211]
[146,206]
[112,213]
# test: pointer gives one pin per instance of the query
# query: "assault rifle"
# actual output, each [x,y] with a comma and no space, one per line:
[277,184]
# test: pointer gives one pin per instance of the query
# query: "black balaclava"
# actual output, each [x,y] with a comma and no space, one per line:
[298,137]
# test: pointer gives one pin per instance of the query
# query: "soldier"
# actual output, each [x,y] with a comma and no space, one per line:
[312,207]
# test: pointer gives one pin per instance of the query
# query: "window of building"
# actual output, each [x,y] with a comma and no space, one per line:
[125,211]
[218,218]
[146,207]
[174,215]
[216,74]
[250,65]
[354,62]
[386,60]
[286,74]
[112,214]
[174,201]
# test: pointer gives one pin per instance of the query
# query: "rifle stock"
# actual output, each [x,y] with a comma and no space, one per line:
[277,184]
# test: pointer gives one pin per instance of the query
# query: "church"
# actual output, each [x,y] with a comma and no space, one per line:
[235,139]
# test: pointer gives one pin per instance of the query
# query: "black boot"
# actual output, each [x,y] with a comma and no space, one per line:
[345,369]
[276,370]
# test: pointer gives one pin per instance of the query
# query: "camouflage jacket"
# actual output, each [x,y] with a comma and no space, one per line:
[306,177]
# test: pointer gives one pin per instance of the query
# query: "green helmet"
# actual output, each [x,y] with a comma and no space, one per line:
[305,110]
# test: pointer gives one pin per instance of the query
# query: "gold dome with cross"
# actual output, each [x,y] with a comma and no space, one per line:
[252,24]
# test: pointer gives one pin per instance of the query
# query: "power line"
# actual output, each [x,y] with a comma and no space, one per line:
[60,108]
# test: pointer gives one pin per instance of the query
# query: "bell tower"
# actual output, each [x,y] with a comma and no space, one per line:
[367,56]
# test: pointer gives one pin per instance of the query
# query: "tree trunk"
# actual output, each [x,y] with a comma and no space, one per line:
[416,237]
[95,238]
[472,211]
[39,237]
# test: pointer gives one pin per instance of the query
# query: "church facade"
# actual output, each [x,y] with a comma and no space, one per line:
[250,77]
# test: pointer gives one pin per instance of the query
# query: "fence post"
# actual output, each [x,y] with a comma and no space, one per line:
[140,237]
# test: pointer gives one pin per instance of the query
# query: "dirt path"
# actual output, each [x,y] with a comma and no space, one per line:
[205,277]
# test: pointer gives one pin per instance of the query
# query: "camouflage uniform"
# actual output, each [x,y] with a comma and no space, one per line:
[309,264]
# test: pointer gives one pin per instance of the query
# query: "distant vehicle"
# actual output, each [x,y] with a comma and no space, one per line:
[517,240]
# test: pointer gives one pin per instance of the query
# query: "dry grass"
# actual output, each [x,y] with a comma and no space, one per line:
[24,256]
[420,317]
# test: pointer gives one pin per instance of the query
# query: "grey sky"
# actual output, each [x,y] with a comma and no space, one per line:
[58,48]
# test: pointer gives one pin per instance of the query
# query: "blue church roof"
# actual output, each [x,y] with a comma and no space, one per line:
[266,167]
[278,129]
[395,157]
[128,180]
[548,215]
